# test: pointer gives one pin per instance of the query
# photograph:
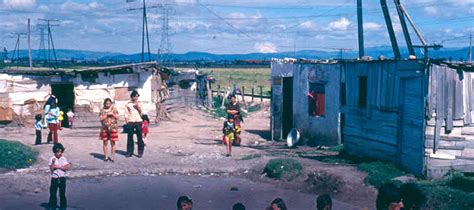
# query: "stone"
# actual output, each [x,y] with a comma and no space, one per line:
[37,190]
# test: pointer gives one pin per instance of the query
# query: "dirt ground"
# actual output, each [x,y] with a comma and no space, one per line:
[188,145]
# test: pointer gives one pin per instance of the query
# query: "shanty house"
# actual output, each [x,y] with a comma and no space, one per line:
[306,96]
[23,92]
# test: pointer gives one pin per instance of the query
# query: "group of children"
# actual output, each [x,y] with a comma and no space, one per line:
[51,118]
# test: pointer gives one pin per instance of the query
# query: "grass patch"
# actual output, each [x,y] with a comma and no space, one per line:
[254,108]
[444,197]
[242,77]
[324,182]
[379,173]
[15,155]
[283,169]
[337,148]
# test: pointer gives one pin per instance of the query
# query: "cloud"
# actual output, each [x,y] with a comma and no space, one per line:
[308,25]
[340,25]
[431,10]
[265,47]
[19,3]
[371,26]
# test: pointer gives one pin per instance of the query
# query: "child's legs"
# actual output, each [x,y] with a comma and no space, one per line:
[38,137]
[106,155]
[50,133]
[55,133]
[53,189]
[112,144]
[62,192]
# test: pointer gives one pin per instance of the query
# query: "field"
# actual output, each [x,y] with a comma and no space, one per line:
[242,77]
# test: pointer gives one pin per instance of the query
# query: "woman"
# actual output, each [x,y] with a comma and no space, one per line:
[233,109]
[51,116]
[109,130]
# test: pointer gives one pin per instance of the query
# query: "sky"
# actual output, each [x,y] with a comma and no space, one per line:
[230,27]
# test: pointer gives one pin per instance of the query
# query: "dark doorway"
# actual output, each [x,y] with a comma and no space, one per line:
[287,111]
[65,95]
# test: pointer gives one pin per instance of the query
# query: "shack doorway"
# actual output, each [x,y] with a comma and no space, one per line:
[287,110]
[65,95]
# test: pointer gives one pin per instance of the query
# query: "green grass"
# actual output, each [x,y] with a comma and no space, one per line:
[242,77]
[251,156]
[15,155]
[379,173]
[283,169]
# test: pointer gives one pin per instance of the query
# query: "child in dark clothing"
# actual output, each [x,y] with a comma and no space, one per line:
[58,166]
[38,127]
[229,131]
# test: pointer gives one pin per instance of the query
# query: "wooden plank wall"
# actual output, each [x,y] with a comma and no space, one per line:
[374,131]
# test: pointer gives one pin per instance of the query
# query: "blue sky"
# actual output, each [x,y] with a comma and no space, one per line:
[224,26]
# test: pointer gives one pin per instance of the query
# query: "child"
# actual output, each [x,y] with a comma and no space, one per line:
[146,122]
[58,166]
[70,117]
[229,134]
[60,118]
[38,127]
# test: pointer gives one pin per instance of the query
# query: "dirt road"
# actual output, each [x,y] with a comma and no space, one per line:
[185,145]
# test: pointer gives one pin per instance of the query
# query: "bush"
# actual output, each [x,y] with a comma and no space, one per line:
[461,182]
[379,173]
[324,182]
[14,155]
[443,197]
[284,169]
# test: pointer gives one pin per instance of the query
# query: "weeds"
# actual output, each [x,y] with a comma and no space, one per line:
[14,155]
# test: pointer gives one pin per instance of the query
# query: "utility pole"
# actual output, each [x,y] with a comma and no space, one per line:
[391,32]
[42,48]
[51,42]
[406,34]
[29,46]
[341,51]
[360,27]
[469,55]
[144,28]
[17,49]
[165,43]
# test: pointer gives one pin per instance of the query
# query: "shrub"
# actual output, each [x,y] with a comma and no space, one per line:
[14,155]
[283,168]
[379,173]
[324,182]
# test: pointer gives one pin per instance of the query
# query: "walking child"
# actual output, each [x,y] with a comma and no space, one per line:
[229,134]
[58,166]
[38,126]
[70,117]
[146,122]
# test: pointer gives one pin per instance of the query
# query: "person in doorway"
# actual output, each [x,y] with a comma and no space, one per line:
[229,134]
[133,120]
[233,109]
[109,129]
[70,117]
[38,127]
[324,202]
[184,203]
[58,165]
[52,115]
[146,122]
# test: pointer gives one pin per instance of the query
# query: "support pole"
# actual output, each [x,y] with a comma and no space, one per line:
[29,45]
[360,26]
[391,32]
[411,51]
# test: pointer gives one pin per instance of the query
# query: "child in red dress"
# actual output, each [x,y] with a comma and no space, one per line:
[146,122]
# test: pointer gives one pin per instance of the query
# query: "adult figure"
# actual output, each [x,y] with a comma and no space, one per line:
[277,204]
[133,120]
[48,100]
[389,197]
[233,109]
[109,130]
[52,119]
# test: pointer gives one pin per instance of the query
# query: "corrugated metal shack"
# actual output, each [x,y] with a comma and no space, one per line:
[417,116]
[23,92]
[305,95]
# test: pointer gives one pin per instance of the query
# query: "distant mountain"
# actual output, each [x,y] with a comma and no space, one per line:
[454,53]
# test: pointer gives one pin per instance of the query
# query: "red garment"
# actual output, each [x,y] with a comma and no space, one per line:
[145,128]
[111,135]
[53,132]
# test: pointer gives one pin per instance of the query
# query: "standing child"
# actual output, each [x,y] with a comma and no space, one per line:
[58,166]
[146,122]
[60,118]
[70,117]
[229,134]
[38,127]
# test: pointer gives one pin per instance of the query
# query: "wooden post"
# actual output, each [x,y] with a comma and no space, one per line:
[210,101]
[242,93]
[253,93]
[261,93]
